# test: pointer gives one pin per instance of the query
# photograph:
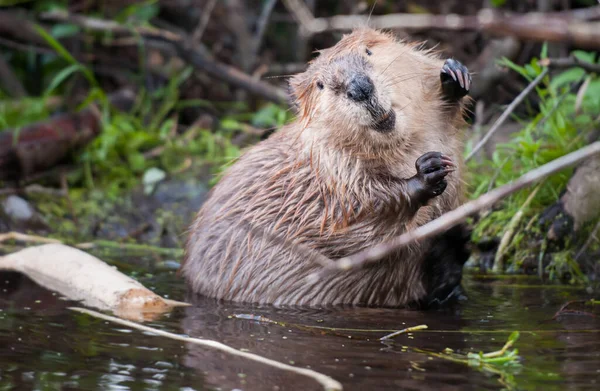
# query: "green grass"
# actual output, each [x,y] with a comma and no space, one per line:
[557,129]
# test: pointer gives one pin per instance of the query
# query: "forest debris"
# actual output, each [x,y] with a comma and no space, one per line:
[42,145]
[80,276]
[404,331]
[458,215]
[206,13]
[593,236]
[21,214]
[507,113]
[510,232]
[570,62]
[327,382]
[185,49]
[261,28]
[26,238]
[565,26]
[582,198]
[10,81]
[489,73]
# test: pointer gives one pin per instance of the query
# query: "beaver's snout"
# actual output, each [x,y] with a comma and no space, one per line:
[360,88]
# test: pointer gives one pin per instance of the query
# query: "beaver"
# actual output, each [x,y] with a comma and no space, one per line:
[374,152]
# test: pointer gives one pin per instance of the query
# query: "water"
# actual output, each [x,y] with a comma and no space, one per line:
[45,346]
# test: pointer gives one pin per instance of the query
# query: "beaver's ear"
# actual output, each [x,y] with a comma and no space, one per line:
[299,88]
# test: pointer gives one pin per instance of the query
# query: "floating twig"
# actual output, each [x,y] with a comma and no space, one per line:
[404,331]
[327,382]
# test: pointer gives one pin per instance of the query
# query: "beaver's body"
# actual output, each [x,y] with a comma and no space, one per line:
[339,179]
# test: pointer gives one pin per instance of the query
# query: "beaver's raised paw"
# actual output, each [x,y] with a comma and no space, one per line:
[456,80]
[432,169]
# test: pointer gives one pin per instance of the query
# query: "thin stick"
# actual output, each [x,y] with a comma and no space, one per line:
[458,215]
[404,331]
[206,12]
[570,62]
[261,28]
[507,113]
[510,231]
[589,241]
[327,382]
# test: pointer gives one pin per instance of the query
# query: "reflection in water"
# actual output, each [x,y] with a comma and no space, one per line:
[42,344]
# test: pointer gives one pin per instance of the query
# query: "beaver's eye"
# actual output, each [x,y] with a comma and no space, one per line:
[368,52]
[320,85]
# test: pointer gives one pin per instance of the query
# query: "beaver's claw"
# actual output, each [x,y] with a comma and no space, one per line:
[432,169]
[456,80]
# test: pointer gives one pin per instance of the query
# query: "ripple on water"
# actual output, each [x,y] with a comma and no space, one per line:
[42,343]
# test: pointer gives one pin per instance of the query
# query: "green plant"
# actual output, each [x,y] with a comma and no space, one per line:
[559,126]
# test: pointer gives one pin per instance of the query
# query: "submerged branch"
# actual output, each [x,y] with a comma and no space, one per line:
[458,215]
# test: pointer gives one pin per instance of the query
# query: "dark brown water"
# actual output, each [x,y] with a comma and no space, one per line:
[45,346]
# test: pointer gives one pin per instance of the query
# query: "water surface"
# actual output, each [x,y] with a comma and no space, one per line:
[45,346]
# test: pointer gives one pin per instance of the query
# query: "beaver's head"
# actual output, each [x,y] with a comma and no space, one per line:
[366,89]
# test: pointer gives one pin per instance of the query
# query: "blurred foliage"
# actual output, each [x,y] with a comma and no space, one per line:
[118,158]
[557,128]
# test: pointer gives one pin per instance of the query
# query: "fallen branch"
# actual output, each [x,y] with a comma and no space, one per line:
[570,62]
[566,26]
[42,145]
[82,277]
[458,215]
[327,382]
[185,49]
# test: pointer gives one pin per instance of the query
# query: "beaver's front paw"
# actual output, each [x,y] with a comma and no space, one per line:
[432,169]
[456,80]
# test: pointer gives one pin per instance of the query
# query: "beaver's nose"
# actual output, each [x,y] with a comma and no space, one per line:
[360,88]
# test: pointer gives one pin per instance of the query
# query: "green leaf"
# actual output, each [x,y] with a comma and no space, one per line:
[63,30]
[137,162]
[513,337]
[62,76]
[60,49]
[544,53]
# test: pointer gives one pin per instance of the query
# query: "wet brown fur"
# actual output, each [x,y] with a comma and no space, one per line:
[327,184]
